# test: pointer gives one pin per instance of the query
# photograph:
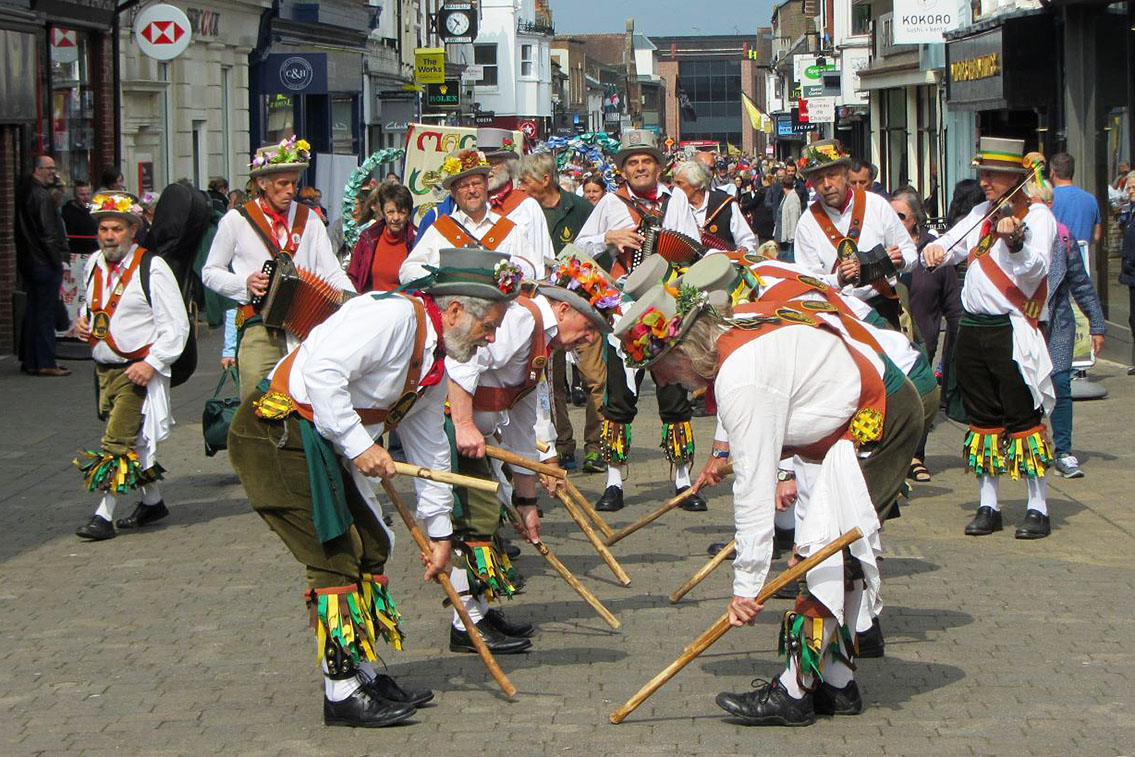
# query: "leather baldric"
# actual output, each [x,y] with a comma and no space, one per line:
[511,201]
[459,236]
[101,314]
[263,227]
[854,229]
[710,227]
[866,424]
[279,387]
[498,398]
[1030,307]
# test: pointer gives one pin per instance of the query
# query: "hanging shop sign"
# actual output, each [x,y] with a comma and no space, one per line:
[917,22]
[294,74]
[429,65]
[162,31]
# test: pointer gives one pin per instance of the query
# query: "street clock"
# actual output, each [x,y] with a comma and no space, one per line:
[457,23]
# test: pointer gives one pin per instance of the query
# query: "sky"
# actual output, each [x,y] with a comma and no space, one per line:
[661,17]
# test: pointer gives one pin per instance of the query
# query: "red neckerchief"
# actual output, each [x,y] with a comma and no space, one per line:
[497,200]
[846,201]
[437,370]
[652,197]
[279,226]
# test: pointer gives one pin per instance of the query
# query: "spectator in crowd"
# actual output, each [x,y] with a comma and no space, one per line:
[218,191]
[112,179]
[766,213]
[41,251]
[862,175]
[1120,182]
[967,194]
[798,183]
[1127,264]
[723,181]
[82,231]
[363,214]
[1072,206]
[236,199]
[787,216]
[1067,279]
[933,295]
[391,176]
[384,245]
[312,197]
[594,188]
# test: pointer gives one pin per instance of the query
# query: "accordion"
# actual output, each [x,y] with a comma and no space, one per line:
[296,300]
[875,265]
[672,245]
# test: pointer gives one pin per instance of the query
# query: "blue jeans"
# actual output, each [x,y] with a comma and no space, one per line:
[37,343]
[1062,413]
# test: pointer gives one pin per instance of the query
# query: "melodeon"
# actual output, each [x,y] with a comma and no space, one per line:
[672,245]
[297,299]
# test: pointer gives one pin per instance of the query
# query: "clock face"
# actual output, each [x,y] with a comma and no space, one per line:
[457,23]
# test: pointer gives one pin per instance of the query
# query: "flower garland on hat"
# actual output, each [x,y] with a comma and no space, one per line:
[290,150]
[819,156]
[654,333]
[508,276]
[588,280]
[115,202]
[463,161]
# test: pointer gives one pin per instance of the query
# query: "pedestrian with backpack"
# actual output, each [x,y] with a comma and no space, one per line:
[137,327]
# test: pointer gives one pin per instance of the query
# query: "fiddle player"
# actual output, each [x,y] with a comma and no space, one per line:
[1003,367]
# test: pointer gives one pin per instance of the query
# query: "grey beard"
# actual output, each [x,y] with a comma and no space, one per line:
[114,253]
[458,343]
[497,181]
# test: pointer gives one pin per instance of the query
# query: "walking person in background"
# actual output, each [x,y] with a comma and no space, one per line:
[111,180]
[41,250]
[1072,206]
[787,216]
[82,231]
[218,194]
[1127,266]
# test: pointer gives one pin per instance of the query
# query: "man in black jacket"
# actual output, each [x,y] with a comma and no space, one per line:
[41,249]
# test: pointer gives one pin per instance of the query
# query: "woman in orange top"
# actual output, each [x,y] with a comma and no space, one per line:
[384,244]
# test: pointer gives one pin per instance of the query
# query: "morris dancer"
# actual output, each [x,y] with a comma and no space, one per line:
[137,327]
[722,225]
[510,201]
[786,382]
[502,390]
[1002,364]
[303,446]
[249,236]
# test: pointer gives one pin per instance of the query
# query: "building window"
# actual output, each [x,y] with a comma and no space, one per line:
[527,66]
[280,118]
[68,128]
[894,171]
[485,55]
[200,155]
[226,123]
[861,18]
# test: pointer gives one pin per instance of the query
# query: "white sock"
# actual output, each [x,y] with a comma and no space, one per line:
[785,520]
[987,488]
[614,476]
[338,689]
[106,507]
[151,495]
[1037,489]
[682,476]
[460,580]
[367,671]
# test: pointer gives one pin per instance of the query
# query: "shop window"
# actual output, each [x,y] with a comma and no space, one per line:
[69,129]
[485,55]
[861,18]
[281,114]
[527,66]
[343,125]
[894,170]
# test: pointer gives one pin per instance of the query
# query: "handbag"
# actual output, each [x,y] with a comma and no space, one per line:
[218,413]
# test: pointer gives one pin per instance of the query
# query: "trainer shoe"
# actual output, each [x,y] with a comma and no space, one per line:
[1068,466]
[593,463]
[567,461]
[769,704]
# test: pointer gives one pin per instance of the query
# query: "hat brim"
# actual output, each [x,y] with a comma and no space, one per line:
[471,289]
[502,155]
[622,155]
[845,161]
[448,181]
[998,167]
[629,318]
[577,304]
[277,168]
[98,215]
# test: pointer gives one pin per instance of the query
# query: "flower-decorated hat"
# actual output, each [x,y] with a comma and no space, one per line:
[824,153]
[291,154]
[115,204]
[659,319]
[475,272]
[458,165]
[582,283]
[1004,155]
[497,144]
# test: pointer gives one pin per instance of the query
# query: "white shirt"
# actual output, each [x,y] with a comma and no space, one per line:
[765,405]
[728,187]
[135,323]
[881,225]
[427,250]
[1026,269]
[611,212]
[742,235]
[359,357]
[529,218]
[505,363]
[238,246]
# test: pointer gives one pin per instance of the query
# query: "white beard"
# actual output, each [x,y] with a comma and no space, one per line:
[114,253]
[458,344]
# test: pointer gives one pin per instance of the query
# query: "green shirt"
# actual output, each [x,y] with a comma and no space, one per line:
[566,219]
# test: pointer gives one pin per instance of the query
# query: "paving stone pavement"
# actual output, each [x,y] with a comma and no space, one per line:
[190,637]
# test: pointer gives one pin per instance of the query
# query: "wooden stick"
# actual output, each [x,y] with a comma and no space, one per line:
[706,569]
[655,515]
[445,477]
[589,532]
[721,625]
[589,509]
[424,545]
[567,575]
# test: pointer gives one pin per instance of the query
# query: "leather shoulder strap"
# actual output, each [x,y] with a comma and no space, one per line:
[496,235]
[709,216]
[854,229]
[1030,307]
[512,202]
[453,233]
[255,217]
[299,223]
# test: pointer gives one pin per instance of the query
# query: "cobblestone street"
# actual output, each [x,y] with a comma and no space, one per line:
[190,637]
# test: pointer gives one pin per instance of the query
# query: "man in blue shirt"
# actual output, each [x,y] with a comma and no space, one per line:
[1072,206]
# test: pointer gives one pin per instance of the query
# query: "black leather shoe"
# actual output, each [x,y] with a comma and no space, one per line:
[96,529]
[715,547]
[497,642]
[695,503]
[1035,526]
[870,643]
[144,515]
[611,500]
[578,396]
[385,687]
[769,704]
[361,710]
[985,522]
[510,549]
[784,538]
[497,620]
[828,700]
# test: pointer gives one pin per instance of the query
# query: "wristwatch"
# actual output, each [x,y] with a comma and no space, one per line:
[719,454]
[785,475]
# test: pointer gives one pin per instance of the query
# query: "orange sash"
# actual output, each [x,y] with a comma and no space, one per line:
[858,208]
[497,398]
[101,315]
[267,235]
[459,237]
[1030,307]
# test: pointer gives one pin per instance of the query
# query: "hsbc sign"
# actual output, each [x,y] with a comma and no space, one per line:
[162,31]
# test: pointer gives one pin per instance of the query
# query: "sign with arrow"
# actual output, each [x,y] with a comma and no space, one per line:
[162,31]
[444,95]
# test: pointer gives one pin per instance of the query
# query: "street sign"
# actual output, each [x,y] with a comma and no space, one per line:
[429,65]
[162,31]
[445,95]
[669,142]
[529,129]
[473,73]
[821,110]
[64,45]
